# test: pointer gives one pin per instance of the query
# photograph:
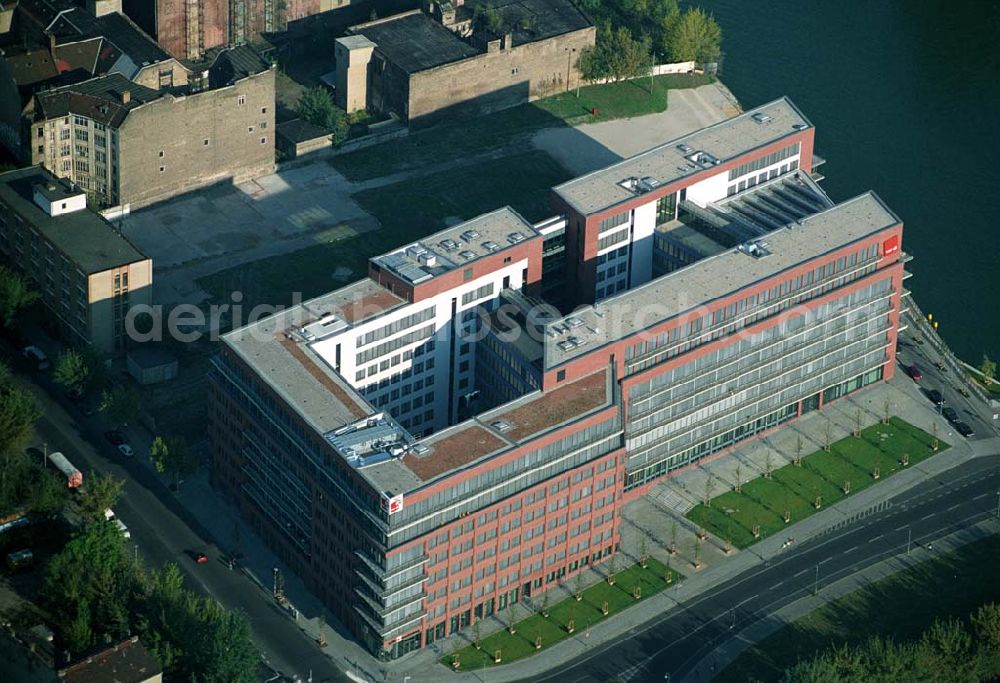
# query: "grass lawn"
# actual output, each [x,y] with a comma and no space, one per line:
[486,133]
[583,614]
[406,211]
[732,516]
[902,606]
[618,100]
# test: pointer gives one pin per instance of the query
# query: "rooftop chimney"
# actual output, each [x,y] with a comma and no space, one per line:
[126,96]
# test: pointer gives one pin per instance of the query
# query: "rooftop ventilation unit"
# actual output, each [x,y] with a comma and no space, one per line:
[686,149]
[449,245]
[466,254]
[427,259]
[761,117]
[572,321]
[416,250]
[491,245]
[515,237]
[755,249]
[576,341]
[647,184]
[800,126]
[566,345]
[470,235]
[420,449]
[502,426]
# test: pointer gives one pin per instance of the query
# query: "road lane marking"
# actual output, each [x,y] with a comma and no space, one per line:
[927,516]
[953,507]
[981,495]
[876,538]
[850,550]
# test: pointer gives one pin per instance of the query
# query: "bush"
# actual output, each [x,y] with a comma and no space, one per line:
[317,108]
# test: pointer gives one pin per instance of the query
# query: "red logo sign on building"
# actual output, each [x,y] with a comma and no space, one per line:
[890,246]
[393,505]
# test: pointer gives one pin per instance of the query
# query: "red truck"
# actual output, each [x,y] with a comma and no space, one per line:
[74,478]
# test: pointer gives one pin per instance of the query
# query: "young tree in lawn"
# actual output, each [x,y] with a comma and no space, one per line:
[673,537]
[578,586]
[768,463]
[477,634]
[798,450]
[828,436]
[512,615]
[739,478]
[709,487]
[15,295]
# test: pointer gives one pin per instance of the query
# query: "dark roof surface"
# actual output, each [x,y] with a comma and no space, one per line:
[532,20]
[415,42]
[118,29]
[83,236]
[236,64]
[31,66]
[98,98]
[127,662]
[298,130]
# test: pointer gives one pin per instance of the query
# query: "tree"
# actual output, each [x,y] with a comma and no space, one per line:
[15,295]
[71,371]
[696,37]
[617,55]
[512,618]
[768,463]
[18,412]
[316,107]
[828,436]
[121,404]
[985,624]
[709,487]
[78,635]
[739,478]
[798,450]
[46,492]
[487,20]
[101,492]
[989,369]
[173,456]
[477,633]
[92,572]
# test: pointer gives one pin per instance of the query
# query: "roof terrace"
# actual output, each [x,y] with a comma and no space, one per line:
[683,157]
[458,246]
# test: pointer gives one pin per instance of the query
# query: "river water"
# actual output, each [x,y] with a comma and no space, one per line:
[905,96]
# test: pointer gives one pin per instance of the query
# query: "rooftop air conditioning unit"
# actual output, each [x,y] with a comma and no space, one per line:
[429,260]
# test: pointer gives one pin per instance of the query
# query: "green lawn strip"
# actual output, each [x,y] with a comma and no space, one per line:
[837,470]
[722,525]
[553,629]
[486,133]
[406,211]
[807,484]
[902,606]
[732,515]
[624,99]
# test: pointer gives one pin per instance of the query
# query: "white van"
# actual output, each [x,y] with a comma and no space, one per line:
[109,515]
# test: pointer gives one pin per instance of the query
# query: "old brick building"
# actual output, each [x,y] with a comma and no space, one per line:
[424,69]
[129,146]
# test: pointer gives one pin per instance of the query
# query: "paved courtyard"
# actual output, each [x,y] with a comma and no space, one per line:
[305,204]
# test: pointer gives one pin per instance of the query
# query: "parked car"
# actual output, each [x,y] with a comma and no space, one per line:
[935,396]
[200,558]
[950,414]
[36,357]
[110,515]
[115,437]
[964,429]
[914,372]
[125,450]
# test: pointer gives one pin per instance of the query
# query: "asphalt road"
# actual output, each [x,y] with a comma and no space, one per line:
[162,532]
[686,633]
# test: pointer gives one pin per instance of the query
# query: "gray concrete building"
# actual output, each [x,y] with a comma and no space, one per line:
[128,146]
[87,274]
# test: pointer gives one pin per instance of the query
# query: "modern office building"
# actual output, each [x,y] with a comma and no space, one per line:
[434,443]
[87,275]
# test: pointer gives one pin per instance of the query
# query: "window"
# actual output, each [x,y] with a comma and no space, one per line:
[161,153]
[467,274]
[64,134]
[241,100]
[162,169]
[249,129]
[263,141]
[82,135]
[205,142]
[561,375]
[263,110]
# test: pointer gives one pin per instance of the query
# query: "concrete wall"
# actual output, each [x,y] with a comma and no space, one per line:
[496,80]
[179,127]
[107,334]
